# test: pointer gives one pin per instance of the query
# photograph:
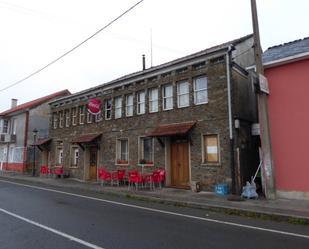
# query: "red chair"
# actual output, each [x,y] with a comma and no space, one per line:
[158,177]
[118,176]
[104,176]
[58,171]
[148,179]
[134,178]
[43,170]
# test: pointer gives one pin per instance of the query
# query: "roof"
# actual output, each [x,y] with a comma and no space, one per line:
[171,129]
[86,138]
[42,141]
[289,49]
[148,71]
[36,102]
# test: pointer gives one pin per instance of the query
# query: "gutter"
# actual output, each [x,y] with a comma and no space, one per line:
[230,117]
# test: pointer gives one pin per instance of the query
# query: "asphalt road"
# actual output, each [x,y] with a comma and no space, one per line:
[34,217]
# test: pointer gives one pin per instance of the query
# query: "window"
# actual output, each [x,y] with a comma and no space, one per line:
[108,109]
[61,119]
[129,105]
[146,150]
[167,93]
[74,116]
[211,148]
[89,117]
[75,155]
[200,90]
[55,120]
[81,114]
[98,117]
[118,107]
[67,118]
[4,126]
[183,94]
[13,126]
[153,100]
[141,102]
[122,151]
[60,156]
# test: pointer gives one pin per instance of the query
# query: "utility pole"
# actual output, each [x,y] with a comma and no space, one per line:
[267,165]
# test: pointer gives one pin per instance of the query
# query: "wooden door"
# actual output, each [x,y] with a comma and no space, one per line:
[180,163]
[93,151]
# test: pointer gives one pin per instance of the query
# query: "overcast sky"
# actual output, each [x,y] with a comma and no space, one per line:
[35,32]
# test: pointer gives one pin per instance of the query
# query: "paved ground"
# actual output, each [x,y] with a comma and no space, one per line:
[63,216]
[280,209]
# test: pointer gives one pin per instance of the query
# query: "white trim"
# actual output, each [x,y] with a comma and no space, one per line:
[286,60]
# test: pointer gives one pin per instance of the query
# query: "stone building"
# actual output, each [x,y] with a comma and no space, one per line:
[191,116]
[16,131]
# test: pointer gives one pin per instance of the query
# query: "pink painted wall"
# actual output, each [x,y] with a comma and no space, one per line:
[288,105]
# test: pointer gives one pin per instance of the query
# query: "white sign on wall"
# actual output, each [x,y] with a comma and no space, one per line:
[263,84]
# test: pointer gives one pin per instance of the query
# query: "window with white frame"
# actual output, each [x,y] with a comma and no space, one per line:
[153,100]
[167,97]
[81,114]
[122,151]
[200,90]
[141,102]
[60,156]
[4,126]
[211,148]
[108,109]
[13,126]
[183,94]
[61,119]
[146,150]
[75,156]
[67,118]
[89,117]
[118,107]
[129,105]
[55,120]
[74,116]
[98,117]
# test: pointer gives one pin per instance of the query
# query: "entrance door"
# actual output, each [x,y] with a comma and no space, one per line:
[93,151]
[180,163]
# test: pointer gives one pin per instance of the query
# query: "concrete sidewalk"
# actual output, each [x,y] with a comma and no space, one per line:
[280,209]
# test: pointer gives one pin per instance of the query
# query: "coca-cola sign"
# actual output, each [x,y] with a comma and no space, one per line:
[94,106]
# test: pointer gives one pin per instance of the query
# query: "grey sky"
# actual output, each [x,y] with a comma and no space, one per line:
[35,32]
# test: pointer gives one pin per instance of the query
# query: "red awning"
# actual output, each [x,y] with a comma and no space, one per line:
[171,129]
[86,138]
[43,141]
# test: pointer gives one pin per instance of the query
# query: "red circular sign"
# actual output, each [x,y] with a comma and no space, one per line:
[94,106]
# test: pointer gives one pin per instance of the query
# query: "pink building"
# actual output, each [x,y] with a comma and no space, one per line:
[287,70]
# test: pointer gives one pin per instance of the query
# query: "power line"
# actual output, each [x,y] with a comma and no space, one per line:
[72,49]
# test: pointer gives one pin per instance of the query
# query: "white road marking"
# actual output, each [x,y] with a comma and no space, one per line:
[65,235]
[164,212]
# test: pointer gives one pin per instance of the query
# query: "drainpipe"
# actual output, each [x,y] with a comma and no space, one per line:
[25,140]
[229,103]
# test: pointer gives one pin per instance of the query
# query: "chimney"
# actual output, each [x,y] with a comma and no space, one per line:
[13,103]
[144,62]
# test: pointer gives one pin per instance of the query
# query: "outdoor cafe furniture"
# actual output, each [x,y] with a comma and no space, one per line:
[104,176]
[58,171]
[134,178]
[118,176]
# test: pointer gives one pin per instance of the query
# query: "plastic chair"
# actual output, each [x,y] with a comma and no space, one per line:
[134,178]
[158,177]
[104,176]
[43,170]
[118,176]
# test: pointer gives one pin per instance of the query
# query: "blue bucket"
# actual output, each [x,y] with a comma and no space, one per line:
[221,189]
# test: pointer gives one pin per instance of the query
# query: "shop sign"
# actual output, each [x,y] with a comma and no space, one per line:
[263,84]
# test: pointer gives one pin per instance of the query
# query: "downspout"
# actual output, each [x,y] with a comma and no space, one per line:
[229,100]
[25,141]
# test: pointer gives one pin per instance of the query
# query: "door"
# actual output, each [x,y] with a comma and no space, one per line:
[180,163]
[93,151]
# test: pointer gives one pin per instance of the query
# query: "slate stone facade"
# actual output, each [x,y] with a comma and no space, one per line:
[210,118]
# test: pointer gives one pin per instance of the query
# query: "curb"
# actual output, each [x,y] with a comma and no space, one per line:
[266,215]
